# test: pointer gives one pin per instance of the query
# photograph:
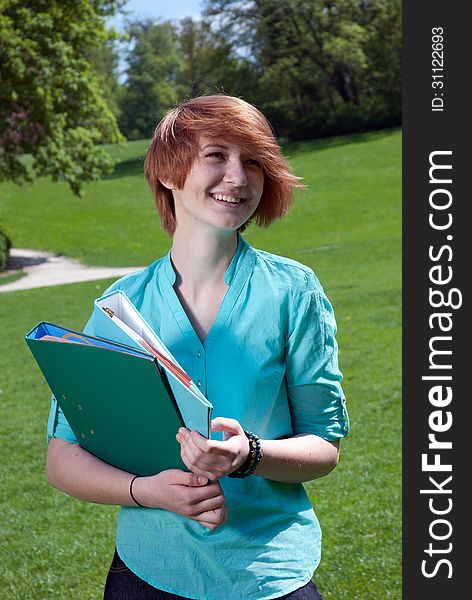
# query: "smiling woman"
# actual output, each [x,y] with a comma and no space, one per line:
[257,334]
[222,189]
[183,136]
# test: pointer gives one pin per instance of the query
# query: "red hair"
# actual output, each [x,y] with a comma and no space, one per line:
[174,147]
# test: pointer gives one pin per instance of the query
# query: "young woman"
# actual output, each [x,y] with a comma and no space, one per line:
[257,334]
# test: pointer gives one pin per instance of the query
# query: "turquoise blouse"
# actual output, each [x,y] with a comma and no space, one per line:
[269,361]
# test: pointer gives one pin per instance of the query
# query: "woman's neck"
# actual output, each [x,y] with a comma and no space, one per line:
[202,258]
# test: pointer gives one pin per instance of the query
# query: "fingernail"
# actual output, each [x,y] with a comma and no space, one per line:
[202,480]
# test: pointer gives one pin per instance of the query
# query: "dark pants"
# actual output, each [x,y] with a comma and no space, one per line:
[123,584]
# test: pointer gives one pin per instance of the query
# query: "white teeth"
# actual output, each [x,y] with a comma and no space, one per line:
[225,198]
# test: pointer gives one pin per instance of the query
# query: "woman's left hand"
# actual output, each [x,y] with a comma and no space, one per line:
[212,458]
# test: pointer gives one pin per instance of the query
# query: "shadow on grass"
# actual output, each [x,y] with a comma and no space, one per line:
[15,263]
[305,146]
[126,168]
[369,246]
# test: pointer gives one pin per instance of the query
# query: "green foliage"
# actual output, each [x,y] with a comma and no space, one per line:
[51,103]
[384,50]
[347,227]
[193,43]
[326,67]
[170,61]
[5,245]
[105,63]
[154,69]
[210,63]
[314,67]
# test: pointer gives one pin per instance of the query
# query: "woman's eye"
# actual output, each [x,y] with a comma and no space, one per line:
[254,163]
[215,155]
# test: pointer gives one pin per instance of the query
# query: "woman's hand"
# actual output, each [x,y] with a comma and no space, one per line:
[78,473]
[211,458]
[186,494]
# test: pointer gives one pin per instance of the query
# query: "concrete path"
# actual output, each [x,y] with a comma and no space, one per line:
[44,269]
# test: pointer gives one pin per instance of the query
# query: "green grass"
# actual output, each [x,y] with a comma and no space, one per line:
[6,277]
[113,224]
[347,227]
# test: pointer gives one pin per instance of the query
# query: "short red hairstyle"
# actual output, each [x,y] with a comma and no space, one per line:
[174,147]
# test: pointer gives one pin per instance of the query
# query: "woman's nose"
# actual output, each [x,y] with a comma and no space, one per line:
[235,173]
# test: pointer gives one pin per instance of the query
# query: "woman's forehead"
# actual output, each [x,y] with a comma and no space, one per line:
[224,143]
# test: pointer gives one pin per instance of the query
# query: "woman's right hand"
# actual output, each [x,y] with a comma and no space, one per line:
[82,475]
[186,494]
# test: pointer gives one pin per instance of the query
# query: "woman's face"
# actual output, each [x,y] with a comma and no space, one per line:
[223,187]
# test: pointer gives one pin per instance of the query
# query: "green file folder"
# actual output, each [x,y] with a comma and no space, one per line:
[115,398]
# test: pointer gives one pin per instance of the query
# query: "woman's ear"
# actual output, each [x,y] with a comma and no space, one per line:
[167,184]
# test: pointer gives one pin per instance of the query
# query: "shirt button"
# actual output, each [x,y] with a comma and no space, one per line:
[199,354]
[199,383]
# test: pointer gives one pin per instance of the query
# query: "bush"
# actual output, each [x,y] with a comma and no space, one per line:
[5,245]
[344,119]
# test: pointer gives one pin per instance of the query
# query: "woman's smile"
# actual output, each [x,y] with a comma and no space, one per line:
[227,198]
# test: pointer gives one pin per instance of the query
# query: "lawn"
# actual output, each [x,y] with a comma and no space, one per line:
[347,227]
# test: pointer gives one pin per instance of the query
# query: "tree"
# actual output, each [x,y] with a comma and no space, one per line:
[51,102]
[170,61]
[384,51]
[154,72]
[210,62]
[322,62]
[105,63]
[192,43]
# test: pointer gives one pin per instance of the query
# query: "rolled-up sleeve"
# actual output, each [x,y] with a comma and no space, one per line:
[317,401]
[58,425]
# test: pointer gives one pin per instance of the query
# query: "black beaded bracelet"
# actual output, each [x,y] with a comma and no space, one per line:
[131,492]
[253,459]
